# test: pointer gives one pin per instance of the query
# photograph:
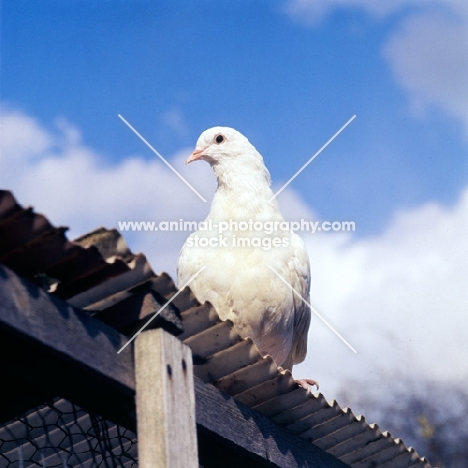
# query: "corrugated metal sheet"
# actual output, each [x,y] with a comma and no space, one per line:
[98,273]
[97,269]
[235,366]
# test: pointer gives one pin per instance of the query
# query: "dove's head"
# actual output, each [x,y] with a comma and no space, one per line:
[231,155]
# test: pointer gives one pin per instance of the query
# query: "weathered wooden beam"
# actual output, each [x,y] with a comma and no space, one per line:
[48,345]
[165,399]
[251,434]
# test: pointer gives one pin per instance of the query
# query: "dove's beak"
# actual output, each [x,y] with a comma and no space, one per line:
[196,155]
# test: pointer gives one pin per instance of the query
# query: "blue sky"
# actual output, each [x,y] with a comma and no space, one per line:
[288,74]
[173,69]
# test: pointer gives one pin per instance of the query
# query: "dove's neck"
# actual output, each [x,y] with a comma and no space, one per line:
[244,194]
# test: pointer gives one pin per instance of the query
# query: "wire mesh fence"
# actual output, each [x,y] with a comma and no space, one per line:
[61,434]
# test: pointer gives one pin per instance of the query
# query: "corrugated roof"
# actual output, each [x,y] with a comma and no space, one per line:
[98,273]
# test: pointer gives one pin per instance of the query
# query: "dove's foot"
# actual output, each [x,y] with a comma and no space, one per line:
[307,383]
[304,383]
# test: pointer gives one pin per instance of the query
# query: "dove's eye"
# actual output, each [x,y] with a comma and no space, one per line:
[219,139]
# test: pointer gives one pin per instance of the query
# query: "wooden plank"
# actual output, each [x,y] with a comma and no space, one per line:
[165,399]
[47,343]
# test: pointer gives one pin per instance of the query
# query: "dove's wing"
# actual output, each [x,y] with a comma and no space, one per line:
[300,281]
[190,261]
[221,266]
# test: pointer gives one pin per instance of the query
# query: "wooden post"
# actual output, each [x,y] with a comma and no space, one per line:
[165,402]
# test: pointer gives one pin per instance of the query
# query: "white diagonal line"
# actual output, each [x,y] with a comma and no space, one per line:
[162,159]
[161,309]
[312,158]
[314,311]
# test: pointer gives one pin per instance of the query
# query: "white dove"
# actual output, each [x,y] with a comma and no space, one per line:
[238,279]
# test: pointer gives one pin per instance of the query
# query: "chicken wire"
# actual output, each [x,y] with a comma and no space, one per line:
[61,434]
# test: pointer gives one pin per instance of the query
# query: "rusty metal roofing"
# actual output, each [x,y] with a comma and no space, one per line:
[98,273]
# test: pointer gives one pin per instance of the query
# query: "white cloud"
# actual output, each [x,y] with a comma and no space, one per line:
[175,120]
[22,137]
[312,12]
[428,55]
[427,52]
[400,298]
[292,206]
[73,185]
